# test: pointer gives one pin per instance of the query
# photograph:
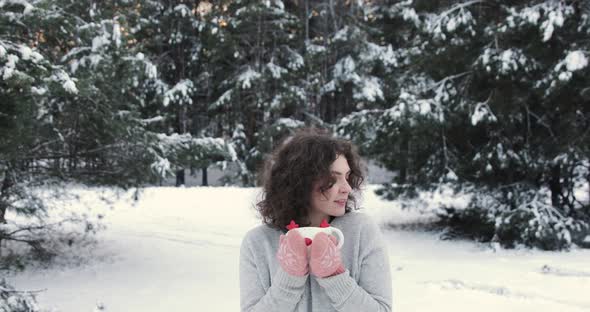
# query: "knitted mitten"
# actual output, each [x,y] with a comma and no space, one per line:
[292,254]
[325,256]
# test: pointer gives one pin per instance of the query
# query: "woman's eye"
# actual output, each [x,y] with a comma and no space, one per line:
[331,184]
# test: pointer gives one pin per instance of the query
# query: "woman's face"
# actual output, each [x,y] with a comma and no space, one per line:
[333,201]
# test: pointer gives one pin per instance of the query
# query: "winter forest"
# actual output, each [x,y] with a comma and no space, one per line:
[479,109]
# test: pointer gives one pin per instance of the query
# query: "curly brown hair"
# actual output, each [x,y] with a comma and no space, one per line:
[295,166]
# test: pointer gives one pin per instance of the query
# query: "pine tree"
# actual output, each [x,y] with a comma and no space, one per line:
[481,106]
[75,87]
[256,76]
[175,34]
[28,80]
[346,59]
[102,124]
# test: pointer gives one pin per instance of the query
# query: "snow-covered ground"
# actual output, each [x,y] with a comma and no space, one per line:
[177,249]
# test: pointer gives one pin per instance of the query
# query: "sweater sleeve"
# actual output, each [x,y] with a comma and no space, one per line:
[283,294]
[373,292]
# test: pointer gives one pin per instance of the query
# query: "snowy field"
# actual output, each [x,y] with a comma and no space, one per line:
[177,249]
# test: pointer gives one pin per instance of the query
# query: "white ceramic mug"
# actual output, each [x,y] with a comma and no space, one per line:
[311,231]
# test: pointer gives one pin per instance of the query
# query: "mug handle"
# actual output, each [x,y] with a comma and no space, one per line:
[340,236]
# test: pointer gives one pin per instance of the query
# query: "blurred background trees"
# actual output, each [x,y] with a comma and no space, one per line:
[489,97]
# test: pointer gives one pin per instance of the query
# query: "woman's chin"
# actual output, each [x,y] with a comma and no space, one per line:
[339,212]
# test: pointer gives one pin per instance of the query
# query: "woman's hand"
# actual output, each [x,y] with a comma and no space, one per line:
[292,254]
[325,256]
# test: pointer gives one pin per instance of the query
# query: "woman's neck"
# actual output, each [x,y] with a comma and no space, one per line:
[316,219]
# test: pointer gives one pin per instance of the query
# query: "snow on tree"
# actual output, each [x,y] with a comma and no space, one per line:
[74,83]
[480,107]
[185,151]
[258,77]
[17,301]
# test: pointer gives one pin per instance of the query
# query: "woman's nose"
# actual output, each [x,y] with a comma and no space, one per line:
[345,188]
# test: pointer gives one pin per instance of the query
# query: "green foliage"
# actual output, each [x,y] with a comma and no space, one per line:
[478,105]
[516,215]
[472,223]
[186,151]
[127,92]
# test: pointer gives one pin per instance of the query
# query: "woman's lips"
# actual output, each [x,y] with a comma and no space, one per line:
[340,202]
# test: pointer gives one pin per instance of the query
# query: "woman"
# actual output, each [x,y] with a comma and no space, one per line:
[309,180]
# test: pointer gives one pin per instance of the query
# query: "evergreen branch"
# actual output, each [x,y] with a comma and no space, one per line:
[6,290]
[62,11]
[444,80]
[78,154]
[451,10]
[315,118]
[32,242]
[36,148]
[581,137]
[41,227]
[541,122]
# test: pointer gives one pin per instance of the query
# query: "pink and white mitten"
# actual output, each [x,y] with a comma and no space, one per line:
[325,258]
[292,254]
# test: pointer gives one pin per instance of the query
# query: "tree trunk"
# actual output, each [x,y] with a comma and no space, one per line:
[180,177]
[181,122]
[555,185]
[306,19]
[204,182]
[404,155]
[3,207]
[6,184]
[333,13]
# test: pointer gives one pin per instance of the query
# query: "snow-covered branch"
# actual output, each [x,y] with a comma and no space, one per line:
[444,14]
[448,78]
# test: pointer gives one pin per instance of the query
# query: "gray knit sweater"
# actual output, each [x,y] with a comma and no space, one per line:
[365,286]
